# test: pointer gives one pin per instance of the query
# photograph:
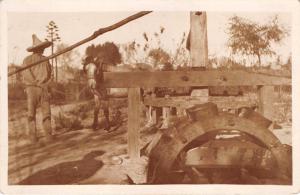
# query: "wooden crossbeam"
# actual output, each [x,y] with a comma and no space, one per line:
[185,102]
[190,78]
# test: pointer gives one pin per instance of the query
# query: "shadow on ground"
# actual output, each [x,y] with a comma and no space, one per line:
[67,172]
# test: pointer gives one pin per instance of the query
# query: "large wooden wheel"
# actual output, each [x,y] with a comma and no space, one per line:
[194,149]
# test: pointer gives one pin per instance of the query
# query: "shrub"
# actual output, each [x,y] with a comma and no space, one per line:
[16,92]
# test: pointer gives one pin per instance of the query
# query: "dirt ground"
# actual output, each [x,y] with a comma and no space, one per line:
[62,161]
[81,156]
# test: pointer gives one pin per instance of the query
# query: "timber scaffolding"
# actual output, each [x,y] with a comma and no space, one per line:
[135,81]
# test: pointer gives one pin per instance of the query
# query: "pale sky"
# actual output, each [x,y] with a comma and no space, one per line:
[79,25]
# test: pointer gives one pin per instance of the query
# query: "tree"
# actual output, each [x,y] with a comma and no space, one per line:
[107,53]
[288,64]
[159,56]
[181,55]
[66,60]
[167,66]
[52,30]
[154,50]
[129,52]
[250,38]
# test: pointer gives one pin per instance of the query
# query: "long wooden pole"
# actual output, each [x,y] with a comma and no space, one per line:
[199,47]
[198,39]
[93,36]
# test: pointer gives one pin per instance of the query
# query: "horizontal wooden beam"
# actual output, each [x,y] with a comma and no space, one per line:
[190,78]
[186,101]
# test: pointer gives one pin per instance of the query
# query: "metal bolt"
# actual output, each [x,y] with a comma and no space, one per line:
[231,122]
[184,78]
[223,78]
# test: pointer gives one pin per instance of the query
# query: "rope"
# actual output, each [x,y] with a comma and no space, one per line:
[65,93]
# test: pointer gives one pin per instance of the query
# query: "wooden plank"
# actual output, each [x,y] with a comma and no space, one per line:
[266,96]
[185,102]
[153,111]
[190,78]
[165,116]
[166,111]
[134,102]
[198,39]
[154,115]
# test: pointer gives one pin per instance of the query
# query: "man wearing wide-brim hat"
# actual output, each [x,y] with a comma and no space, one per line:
[36,80]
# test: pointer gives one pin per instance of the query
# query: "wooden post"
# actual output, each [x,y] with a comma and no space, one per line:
[134,105]
[266,101]
[165,116]
[151,114]
[154,111]
[180,111]
[198,39]
[199,46]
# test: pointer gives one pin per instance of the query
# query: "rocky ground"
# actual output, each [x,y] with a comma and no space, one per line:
[79,155]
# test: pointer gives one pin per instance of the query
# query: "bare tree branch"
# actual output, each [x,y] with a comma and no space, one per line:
[93,36]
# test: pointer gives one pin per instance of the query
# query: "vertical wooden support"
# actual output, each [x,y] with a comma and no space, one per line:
[198,39]
[180,111]
[134,105]
[154,111]
[153,119]
[165,116]
[266,96]
[148,113]
[151,114]
[199,45]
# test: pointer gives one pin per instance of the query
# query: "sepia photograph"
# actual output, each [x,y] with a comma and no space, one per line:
[150,98]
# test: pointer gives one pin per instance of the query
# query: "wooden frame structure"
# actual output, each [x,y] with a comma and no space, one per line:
[137,80]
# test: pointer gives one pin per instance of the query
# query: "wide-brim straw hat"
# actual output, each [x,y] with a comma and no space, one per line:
[38,44]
